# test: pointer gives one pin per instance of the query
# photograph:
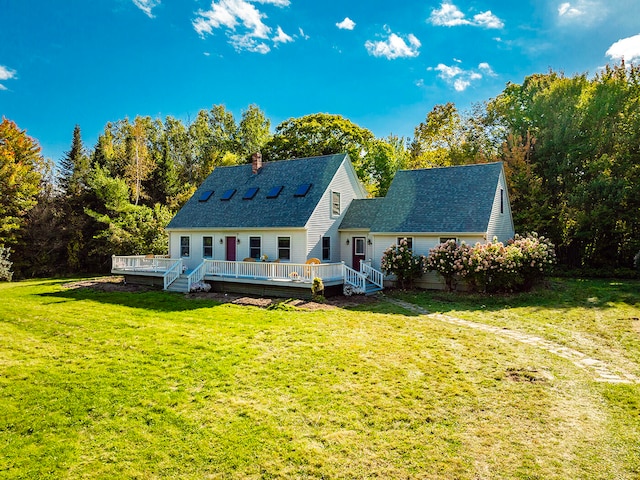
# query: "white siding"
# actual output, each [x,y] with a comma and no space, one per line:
[421,243]
[269,244]
[501,223]
[322,223]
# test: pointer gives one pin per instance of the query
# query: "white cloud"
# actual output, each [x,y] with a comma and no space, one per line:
[586,12]
[487,20]
[459,78]
[281,37]
[346,24]
[451,16]
[147,6]
[6,74]
[243,23]
[626,48]
[486,68]
[302,34]
[448,16]
[565,9]
[394,46]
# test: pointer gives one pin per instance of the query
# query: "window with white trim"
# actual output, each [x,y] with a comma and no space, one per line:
[255,247]
[207,247]
[326,248]
[446,239]
[284,248]
[335,204]
[409,242]
[184,246]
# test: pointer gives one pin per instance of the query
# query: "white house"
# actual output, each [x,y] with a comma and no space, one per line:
[468,203]
[260,224]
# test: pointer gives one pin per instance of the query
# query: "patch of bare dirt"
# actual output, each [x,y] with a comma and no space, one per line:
[117,284]
[108,284]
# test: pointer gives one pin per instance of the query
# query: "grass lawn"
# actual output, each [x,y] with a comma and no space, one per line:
[155,385]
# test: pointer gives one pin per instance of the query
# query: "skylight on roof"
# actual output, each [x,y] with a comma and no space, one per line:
[204,196]
[302,190]
[275,191]
[249,194]
[228,194]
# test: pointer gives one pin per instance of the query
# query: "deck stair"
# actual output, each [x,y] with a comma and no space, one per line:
[180,284]
[371,288]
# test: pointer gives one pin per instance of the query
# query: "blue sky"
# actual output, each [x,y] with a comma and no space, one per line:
[384,65]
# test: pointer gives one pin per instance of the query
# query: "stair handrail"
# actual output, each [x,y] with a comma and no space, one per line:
[374,276]
[172,273]
[355,279]
[195,276]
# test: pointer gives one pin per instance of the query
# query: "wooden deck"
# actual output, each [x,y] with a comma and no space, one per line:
[257,278]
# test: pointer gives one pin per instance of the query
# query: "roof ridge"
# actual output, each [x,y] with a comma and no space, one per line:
[450,167]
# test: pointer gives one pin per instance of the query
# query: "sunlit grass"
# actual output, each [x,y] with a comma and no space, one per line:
[154,385]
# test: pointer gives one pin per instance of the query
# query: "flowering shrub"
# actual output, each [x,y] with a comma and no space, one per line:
[494,266]
[5,264]
[448,260]
[400,261]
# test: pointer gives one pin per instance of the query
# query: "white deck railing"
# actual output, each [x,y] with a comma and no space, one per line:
[274,271]
[374,276]
[172,273]
[141,263]
[171,268]
[196,275]
[356,280]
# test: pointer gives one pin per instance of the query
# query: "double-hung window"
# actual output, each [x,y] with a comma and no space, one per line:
[184,246]
[207,247]
[255,247]
[284,248]
[326,248]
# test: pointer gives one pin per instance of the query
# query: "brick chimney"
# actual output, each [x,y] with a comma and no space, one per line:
[256,162]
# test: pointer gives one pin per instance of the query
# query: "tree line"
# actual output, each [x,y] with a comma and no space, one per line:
[570,146]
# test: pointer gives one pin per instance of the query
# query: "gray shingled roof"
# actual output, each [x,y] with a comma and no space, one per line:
[448,199]
[260,212]
[361,213]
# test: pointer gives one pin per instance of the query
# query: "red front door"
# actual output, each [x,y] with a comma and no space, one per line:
[231,249]
[359,251]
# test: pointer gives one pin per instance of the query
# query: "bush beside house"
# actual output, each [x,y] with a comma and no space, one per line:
[493,267]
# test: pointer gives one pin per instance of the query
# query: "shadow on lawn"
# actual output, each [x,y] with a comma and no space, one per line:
[147,299]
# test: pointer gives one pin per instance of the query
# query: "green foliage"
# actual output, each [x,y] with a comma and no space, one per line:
[400,261]
[20,174]
[5,264]
[375,160]
[571,145]
[317,287]
[75,167]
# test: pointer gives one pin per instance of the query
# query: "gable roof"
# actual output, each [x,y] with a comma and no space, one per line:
[278,211]
[447,199]
[360,213]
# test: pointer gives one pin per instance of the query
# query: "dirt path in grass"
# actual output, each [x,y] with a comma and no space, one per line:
[599,369]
